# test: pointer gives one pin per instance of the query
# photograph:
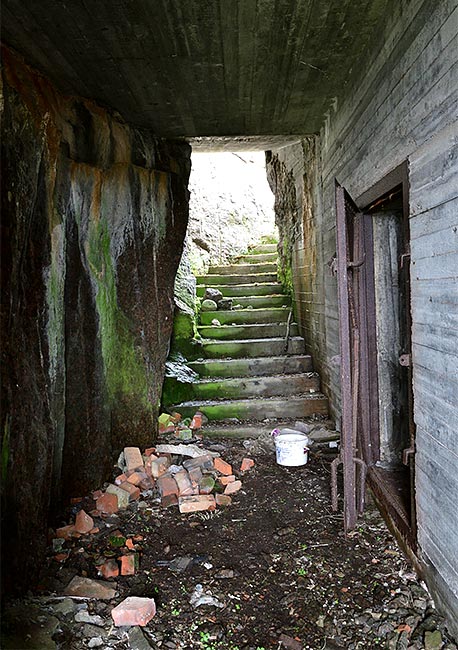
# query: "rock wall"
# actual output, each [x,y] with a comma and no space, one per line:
[94,215]
[231,206]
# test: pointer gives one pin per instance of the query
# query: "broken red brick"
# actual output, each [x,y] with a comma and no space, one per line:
[223,500]
[175,417]
[94,530]
[206,485]
[123,497]
[75,500]
[183,481]
[133,458]
[65,532]
[195,474]
[247,463]
[83,523]
[138,538]
[196,503]
[225,480]
[134,611]
[109,569]
[136,477]
[167,486]
[233,487]
[130,545]
[159,466]
[150,451]
[221,466]
[169,500]
[120,479]
[133,490]
[61,557]
[146,484]
[196,422]
[96,494]
[127,564]
[107,503]
[203,462]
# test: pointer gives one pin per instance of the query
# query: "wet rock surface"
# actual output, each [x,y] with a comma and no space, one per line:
[272,570]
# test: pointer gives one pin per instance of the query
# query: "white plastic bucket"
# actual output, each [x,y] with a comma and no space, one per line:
[291,449]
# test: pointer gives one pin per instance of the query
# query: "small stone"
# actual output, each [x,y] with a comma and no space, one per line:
[233,487]
[286,641]
[83,522]
[132,490]
[133,458]
[95,642]
[184,433]
[137,640]
[169,500]
[223,500]
[216,323]
[206,485]
[433,640]
[83,616]
[213,294]
[123,496]
[221,466]
[225,304]
[90,588]
[91,631]
[109,569]
[107,503]
[65,607]
[196,503]
[208,305]
[247,463]
[127,564]
[134,611]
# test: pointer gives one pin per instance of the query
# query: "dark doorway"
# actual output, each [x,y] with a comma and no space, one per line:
[378,432]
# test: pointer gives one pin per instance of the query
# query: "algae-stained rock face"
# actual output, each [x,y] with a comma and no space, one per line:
[94,216]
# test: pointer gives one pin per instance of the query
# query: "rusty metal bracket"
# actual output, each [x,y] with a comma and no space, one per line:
[406,454]
[362,482]
[356,264]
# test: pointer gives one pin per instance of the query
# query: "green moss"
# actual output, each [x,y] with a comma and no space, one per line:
[125,371]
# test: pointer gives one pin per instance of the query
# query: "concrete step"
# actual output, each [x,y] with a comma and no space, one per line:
[252,348]
[267,289]
[245,316]
[260,258]
[242,269]
[260,302]
[257,408]
[212,280]
[246,387]
[248,367]
[263,248]
[253,331]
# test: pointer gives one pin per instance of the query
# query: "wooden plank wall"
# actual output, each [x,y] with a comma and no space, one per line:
[402,107]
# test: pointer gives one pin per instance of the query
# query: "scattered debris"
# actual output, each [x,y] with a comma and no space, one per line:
[134,611]
[199,598]
[87,588]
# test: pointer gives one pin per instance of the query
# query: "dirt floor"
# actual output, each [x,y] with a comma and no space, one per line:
[276,567]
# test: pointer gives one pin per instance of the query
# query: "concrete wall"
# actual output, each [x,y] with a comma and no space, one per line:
[94,215]
[401,106]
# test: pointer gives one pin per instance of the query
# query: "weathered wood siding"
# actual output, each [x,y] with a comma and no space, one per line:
[403,106]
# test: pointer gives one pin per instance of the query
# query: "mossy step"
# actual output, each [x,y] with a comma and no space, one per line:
[248,367]
[229,291]
[260,302]
[252,348]
[245,316]
[263,248]
[256,259]
[252,331]
[242,269]
[257,408]
[212,280]
[244,387]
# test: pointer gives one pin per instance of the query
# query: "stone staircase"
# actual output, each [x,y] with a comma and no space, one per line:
[249,370]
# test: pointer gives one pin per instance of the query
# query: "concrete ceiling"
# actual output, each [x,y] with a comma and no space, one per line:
[198,68]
